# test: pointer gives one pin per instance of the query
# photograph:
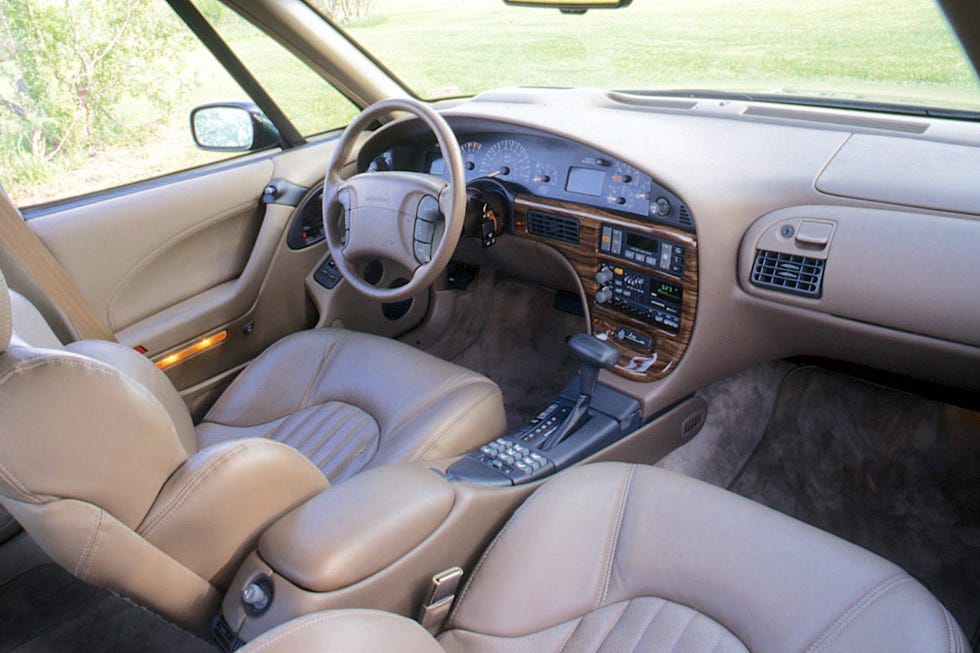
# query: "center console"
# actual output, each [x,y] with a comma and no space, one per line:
[641,277]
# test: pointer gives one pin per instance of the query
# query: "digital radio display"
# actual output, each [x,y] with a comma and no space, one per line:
[667,291]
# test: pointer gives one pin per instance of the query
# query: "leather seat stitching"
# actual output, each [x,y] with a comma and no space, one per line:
[613,542]
[29,496]
[437,395]
[84,561]
[491,393]
[76,360]
[612,627]
[955,644]
[834,631]
[360,426]
[680,636]
[718,638]
[300,426]
[174,504]
[479,564]
[652,620]
[571,633]
[328,357]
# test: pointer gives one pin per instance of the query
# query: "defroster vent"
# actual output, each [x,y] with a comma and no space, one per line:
[800,275]
[555,227]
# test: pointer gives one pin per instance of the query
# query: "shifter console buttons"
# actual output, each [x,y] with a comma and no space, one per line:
[512,458]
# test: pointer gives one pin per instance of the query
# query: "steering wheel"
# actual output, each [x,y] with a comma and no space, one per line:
[412,218]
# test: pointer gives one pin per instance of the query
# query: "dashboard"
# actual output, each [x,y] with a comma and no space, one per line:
[630,240]
[790,231]
[549,167]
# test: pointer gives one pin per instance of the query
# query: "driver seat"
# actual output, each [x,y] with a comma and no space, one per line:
[349,401]
[102,465]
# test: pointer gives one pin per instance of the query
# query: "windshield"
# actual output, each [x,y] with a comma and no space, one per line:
[880,51]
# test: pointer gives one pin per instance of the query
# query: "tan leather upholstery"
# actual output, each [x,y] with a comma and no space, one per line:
[352,401]
[350,631]
[99,463]
[615,557]
[231,492]
[380,516]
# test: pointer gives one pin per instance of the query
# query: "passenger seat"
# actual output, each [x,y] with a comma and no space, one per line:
[615,557]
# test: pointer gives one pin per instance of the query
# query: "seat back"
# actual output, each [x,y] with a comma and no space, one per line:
[99,464]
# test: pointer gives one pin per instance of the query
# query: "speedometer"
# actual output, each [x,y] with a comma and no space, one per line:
[507,160]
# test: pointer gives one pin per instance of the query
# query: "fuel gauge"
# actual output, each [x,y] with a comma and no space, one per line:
[470,150]
[544,174]
[623,185]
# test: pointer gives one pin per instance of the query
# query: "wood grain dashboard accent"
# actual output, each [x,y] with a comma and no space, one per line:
[634,363]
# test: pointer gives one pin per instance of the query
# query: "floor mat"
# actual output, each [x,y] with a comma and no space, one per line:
[890,471]
[46,609]
[521,346]
[738,413]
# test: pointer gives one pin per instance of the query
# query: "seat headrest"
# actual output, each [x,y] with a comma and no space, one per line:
[6,316]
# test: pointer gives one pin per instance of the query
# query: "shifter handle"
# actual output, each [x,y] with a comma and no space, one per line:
[594,354]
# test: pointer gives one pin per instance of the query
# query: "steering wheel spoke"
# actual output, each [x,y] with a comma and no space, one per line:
[411,218]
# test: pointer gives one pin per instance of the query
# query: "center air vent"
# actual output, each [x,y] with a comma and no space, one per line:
[551,226]
[800,275]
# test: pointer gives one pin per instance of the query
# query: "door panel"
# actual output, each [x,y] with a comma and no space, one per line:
[168,264]
[109,246]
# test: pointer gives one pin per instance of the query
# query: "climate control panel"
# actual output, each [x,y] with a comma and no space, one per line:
[640,295]
[642,250]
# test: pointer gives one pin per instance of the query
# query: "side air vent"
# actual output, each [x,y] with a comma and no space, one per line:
[684,217]
[800,275]
[555,227]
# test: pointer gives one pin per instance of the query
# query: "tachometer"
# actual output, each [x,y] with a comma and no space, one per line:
[507,160]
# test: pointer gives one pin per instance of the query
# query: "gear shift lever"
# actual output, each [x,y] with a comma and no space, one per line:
[593,354]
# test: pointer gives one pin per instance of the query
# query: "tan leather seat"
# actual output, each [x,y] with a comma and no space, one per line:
[101,464]
[350,400]
[614,557]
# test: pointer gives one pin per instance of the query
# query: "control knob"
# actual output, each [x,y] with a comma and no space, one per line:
[603,295]
[603,276]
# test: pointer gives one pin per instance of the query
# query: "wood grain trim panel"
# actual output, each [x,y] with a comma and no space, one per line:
[668,348]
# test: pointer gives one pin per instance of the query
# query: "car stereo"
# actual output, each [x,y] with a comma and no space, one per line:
[635,293]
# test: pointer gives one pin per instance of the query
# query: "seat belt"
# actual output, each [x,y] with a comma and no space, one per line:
[36,259]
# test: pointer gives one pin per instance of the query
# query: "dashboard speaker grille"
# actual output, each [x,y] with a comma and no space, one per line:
[800,275]
[555,227]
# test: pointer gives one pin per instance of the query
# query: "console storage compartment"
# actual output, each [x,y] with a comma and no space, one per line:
[373,541]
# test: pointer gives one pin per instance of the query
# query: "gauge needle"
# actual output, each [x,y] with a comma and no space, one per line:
[495,174]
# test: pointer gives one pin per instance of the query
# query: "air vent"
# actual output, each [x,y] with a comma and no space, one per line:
[555,227]
[684,217]
[800,275]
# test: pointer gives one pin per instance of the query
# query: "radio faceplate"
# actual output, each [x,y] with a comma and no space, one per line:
[643,296]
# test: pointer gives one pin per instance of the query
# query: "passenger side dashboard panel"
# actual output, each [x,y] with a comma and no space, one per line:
[895,269]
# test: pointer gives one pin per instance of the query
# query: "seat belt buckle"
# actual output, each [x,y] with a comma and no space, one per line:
[439,599]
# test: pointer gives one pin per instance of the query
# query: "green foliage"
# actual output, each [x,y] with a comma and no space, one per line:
[66,66]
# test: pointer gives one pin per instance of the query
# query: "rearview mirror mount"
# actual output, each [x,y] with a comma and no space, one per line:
[232,127]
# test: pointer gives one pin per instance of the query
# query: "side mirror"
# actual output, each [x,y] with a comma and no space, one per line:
[232,127]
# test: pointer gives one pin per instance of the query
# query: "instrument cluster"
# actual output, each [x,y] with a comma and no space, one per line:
[550,167]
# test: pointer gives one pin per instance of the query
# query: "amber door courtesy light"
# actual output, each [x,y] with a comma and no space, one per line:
[201,345]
